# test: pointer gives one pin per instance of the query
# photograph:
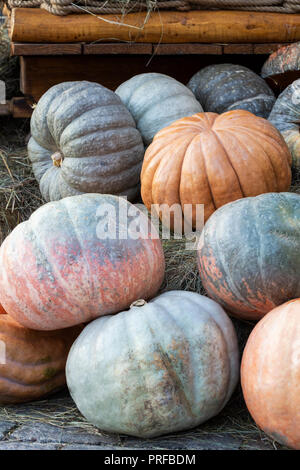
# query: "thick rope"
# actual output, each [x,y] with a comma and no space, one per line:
[65,7]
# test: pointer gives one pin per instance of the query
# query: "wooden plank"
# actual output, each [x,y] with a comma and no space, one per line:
[37,25]
[177,49]
[38,73]
[117,48]
[45,49]
[238,49]
[267,48]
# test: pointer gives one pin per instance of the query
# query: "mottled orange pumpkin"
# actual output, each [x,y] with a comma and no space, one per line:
[32,363]
[79,258]
[270,374]
[214,159]
[282,67]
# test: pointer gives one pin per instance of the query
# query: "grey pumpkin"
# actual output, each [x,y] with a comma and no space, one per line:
[225,87]
[285,115]
[160,367]
[84,140]
[155,101]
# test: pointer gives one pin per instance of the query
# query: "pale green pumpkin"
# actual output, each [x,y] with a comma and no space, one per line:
[155,101]
[161,367]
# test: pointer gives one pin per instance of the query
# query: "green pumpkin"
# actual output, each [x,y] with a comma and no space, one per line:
[249,254]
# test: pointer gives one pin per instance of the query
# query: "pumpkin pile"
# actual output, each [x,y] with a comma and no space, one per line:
[82,277]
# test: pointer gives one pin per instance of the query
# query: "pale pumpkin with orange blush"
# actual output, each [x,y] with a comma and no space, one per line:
[214,159]
[270,374]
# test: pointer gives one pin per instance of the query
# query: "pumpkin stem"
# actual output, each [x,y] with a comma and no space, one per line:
[57,159]
[138,303]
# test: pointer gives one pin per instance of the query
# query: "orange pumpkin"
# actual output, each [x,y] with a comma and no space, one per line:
[32,363]
[270,374]
[214,159]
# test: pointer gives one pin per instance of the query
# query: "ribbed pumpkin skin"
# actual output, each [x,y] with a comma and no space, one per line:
[285,116]
[214,159]
[164,367]
[101,147]
[155,101]
[285,59]
[35,361]
[270,374]
[225,87]
[249,254]
[56,272]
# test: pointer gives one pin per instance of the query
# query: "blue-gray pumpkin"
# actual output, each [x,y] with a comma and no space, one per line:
[226,87]
[161,367]
[84,140]
[155,101]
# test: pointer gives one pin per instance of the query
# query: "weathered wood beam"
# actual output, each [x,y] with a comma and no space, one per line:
[36,25]
[45,49]
[120,48]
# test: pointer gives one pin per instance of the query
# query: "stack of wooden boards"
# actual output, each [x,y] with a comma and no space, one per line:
[110,50]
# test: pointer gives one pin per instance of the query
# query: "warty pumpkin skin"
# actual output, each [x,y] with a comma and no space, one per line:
[58,270]
[84,140]
[214,159]
[285,116]
[156,100]
[249,254]
[165,366]
[34,361]
[225,87]
[270,374]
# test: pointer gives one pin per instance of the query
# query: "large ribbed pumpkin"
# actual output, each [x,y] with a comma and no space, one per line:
[285,116]
[34,361]
[160,367]
[249,254]
[84,140]
[62,267]
[214,159]
[270,374]
[155,101]
[225,87]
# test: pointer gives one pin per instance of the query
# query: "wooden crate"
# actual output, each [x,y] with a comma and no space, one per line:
[45,65]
